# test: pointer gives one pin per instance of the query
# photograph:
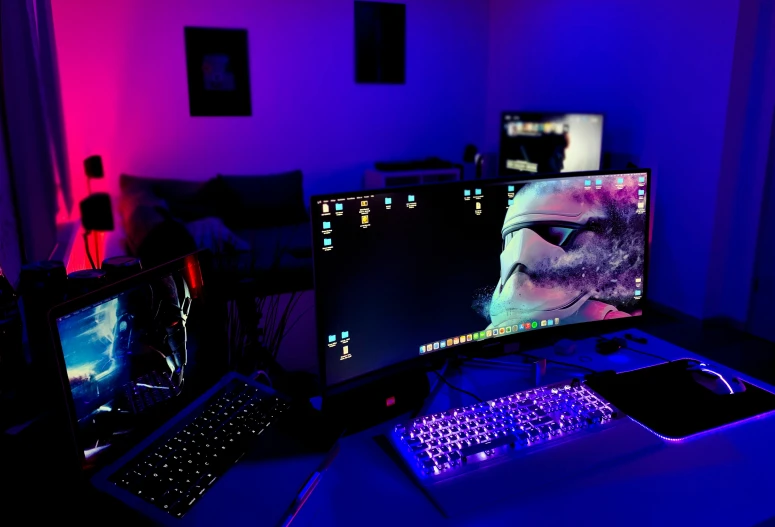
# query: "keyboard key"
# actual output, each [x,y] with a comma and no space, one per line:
[487,445]
[174,474]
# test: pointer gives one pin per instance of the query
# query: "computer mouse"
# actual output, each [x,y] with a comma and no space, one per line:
[716,382]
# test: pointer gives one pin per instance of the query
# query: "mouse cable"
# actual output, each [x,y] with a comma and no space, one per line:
[647,353]
[445,381]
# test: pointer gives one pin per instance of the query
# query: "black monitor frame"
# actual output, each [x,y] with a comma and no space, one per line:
[516,173]
[525,340]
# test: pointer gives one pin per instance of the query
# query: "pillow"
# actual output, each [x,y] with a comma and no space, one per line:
[263,201]
[186,200]
[140,213]
[212,234]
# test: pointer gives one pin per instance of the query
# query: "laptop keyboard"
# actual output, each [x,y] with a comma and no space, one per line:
[150,389]
[176,471]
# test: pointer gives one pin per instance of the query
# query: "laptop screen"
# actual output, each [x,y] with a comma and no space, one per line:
[136,357]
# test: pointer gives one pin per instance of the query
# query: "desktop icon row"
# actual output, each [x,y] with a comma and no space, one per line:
[345,336]
[327,208]
[486,334]
[619,181]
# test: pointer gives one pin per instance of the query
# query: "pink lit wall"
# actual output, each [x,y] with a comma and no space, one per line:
[661,72]
[123,76]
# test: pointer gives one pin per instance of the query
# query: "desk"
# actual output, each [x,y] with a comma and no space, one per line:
[725,478]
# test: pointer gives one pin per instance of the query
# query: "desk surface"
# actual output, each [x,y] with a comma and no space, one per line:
[724,478]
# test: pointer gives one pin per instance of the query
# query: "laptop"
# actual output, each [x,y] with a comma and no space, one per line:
[158,423]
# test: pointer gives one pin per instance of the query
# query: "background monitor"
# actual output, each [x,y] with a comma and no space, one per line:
[550,142]
[404,274]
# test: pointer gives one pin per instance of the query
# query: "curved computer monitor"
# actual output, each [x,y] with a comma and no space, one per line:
[532,142]
[406,274]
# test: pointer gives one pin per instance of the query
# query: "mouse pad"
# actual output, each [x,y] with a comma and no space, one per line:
[667,399]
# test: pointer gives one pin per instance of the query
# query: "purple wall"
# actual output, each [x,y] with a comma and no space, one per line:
[123,75]
[661,73]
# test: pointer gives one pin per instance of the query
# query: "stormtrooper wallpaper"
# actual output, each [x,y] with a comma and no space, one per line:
[129,357]
[570,252]
[441,265]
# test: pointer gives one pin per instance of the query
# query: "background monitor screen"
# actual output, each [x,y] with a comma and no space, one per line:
[550,142]
[409,272]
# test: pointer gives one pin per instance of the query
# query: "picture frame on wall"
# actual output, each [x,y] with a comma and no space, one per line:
[218,72]
[380,43]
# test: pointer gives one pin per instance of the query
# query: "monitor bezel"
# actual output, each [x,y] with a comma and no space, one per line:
[204,257]
[509,173]
[438,357]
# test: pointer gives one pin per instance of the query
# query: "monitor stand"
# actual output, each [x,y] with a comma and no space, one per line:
[488,355]
[387,397]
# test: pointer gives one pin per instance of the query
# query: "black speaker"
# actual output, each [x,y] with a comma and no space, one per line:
[42,285]
[96,212]
[93,167]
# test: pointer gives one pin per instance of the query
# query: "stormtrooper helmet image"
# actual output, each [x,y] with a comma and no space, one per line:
[549,266]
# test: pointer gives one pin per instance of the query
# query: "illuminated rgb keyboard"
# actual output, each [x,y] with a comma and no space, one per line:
[446,444]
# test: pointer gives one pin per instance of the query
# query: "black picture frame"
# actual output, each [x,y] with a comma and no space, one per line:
[218,72]
[380,43]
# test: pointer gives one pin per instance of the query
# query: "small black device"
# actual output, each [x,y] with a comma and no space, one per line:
[609,346]
[84,281]
[92,167]
[42,285]
[97,213]
[472,155]
[533,142]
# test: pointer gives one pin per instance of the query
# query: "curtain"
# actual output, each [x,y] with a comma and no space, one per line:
[10,248]
[29,88]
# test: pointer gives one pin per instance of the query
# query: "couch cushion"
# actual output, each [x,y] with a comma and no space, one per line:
[263,201]
[186,200]
[140,213]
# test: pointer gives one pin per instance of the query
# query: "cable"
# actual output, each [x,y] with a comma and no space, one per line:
[445,381]
[622,343]
[262,373]
[647,353]
[88,250]
[568,364]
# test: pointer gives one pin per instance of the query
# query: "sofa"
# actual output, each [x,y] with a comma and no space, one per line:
[257,227]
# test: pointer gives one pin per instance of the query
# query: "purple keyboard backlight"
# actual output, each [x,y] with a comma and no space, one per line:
[449,443]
